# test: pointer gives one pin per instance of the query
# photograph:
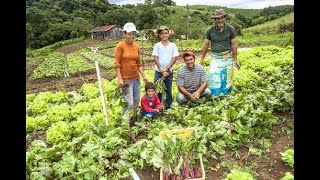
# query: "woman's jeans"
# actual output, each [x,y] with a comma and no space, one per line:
[131,94]
[168,83]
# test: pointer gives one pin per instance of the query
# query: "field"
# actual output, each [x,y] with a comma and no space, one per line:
[249,153]
[248,134]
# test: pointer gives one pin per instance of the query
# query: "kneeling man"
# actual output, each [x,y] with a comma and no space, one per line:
[191,80]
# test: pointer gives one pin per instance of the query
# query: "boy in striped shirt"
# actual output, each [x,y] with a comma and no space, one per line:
[191,80]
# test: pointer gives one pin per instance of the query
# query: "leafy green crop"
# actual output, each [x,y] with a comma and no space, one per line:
[237,174]
[288,156]
[288,176]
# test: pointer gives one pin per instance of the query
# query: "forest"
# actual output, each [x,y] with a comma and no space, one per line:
[51,21]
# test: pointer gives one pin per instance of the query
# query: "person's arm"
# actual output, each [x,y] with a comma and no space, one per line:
[156,57]
[204,50]
[117,64]
[235,52]
[145,106]
[173,60]
[156,61]
[145,79]
[120,80]
[175,55]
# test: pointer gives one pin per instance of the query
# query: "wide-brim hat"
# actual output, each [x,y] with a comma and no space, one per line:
[129,27]
[162,28]
[188,53]
[219,13]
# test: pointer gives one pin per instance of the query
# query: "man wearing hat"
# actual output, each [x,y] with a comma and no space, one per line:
[191,80]
[221,36]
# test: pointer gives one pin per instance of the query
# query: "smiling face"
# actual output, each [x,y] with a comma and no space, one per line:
[189,60]
[130,36]
[150,93]
[164,35]
[220,21]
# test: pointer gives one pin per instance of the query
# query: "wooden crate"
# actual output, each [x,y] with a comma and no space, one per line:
[183,133]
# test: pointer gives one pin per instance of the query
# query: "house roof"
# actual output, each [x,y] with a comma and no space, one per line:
[103,28]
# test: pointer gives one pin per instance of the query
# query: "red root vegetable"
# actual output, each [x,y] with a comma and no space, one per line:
[165,176]
[192,174]
[197,173]
[186,169]
[179,177]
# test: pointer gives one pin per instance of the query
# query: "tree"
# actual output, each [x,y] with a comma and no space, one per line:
[148,19]
[117,16]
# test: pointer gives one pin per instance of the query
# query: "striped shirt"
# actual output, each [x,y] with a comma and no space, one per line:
[191,80]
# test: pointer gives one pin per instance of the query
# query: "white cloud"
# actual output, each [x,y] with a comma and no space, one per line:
[245,4]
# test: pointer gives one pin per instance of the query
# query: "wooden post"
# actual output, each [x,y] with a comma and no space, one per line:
[100,85]
[102,93]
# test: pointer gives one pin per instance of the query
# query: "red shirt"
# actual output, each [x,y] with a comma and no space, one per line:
[148,105]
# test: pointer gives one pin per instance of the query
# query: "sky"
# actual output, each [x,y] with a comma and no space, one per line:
[244,4]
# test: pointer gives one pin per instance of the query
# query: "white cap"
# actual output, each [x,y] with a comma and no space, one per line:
[129,27]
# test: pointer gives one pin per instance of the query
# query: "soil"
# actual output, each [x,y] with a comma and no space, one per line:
[268,167]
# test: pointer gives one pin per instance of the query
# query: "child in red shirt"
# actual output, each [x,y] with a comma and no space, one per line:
[150,103]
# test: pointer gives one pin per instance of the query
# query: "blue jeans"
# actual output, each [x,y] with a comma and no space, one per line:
[150,114]
[131,95]
[168,83]
[182,99]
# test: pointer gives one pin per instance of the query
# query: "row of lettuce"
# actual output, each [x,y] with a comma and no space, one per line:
[79,144]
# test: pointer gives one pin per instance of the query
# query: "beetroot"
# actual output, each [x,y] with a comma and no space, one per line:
[197,173]
[186,169]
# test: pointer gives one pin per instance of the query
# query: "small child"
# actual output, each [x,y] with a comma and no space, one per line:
[150,103]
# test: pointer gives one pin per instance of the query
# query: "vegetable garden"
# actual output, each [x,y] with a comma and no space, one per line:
[245,135]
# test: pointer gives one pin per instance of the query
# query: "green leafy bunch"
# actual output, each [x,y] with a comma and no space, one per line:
[288,157]
[161,88]
[237,174]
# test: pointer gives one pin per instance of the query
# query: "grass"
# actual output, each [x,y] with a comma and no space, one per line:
[270,27]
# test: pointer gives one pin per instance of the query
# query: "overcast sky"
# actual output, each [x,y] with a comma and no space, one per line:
[245,4]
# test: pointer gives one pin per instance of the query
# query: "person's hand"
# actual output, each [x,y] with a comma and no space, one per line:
[145,79]
[192,99]
[120,82]
[237,64]
[157,111]
[162,107]
[162,70]
[165,74]
[196,95]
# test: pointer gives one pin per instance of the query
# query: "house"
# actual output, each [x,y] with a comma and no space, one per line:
[107,32]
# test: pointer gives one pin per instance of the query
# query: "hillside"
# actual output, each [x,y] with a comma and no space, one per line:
[278,32]
[251,37]
[48,22]
[273,26]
